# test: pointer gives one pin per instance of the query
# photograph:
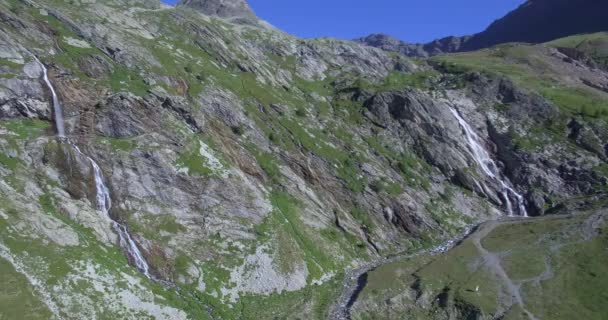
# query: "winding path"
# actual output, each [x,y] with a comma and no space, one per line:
[492,261]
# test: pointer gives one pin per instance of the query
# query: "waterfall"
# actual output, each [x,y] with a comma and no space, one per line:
[102,196]
[57,109]
[104,204]
[489,167]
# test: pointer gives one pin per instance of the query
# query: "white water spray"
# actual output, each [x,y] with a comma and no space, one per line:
[104,203]
[103,199]
[57,109]
[489,167]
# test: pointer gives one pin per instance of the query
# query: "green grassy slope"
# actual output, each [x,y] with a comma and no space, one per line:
[556,262]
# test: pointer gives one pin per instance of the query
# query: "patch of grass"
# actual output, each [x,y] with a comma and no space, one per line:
[268,163]
[120,144]
[123,79]
[310,303]
[317,260]
[442,211]
[410,167]
[26,128]
[9,162]
[577,288]
[287,253]
[363,218]
[12,65]
[150,226]
[522,234]
[194,162]
[524,264]
[17,297]
[525,66]
[399,80]
[384,185]
[460,281]
[577,100]
[167,223]
[197,163]
[595,45]
[181,265]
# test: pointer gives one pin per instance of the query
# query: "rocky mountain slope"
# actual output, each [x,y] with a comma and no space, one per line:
[535,21]
[217,169]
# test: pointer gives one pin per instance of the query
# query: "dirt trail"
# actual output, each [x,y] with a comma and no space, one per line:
[492,261]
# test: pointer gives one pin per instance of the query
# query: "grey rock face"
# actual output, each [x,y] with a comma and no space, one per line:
[389,43]
[221,8]
[420,50]
[95,66]
[125,116]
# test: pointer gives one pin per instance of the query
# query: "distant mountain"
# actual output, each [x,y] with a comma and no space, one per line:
[535,21]
[390,43]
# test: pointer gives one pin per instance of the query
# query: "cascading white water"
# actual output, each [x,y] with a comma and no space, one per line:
[57,109]
[104,204]
[489,167]
[103,199]
[127,243]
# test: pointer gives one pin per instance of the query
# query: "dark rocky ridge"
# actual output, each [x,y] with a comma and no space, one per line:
[535,21]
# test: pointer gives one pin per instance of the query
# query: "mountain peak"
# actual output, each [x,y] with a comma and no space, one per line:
[221,8]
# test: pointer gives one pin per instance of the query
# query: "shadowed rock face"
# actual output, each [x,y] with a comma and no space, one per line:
[221,8]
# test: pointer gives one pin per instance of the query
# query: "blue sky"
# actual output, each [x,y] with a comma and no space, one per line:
[409,20]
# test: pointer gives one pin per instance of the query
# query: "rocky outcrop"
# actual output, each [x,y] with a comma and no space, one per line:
[439,46]
[232,9]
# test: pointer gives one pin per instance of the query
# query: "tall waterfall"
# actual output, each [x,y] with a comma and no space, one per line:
[57,109]
[489,167]
[102,197]
[124,237]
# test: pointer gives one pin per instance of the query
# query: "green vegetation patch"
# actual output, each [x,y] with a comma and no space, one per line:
[317,260]
[200,158]
[312,302]
[26,128]
[17,298]
[153,226]
[524,64]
